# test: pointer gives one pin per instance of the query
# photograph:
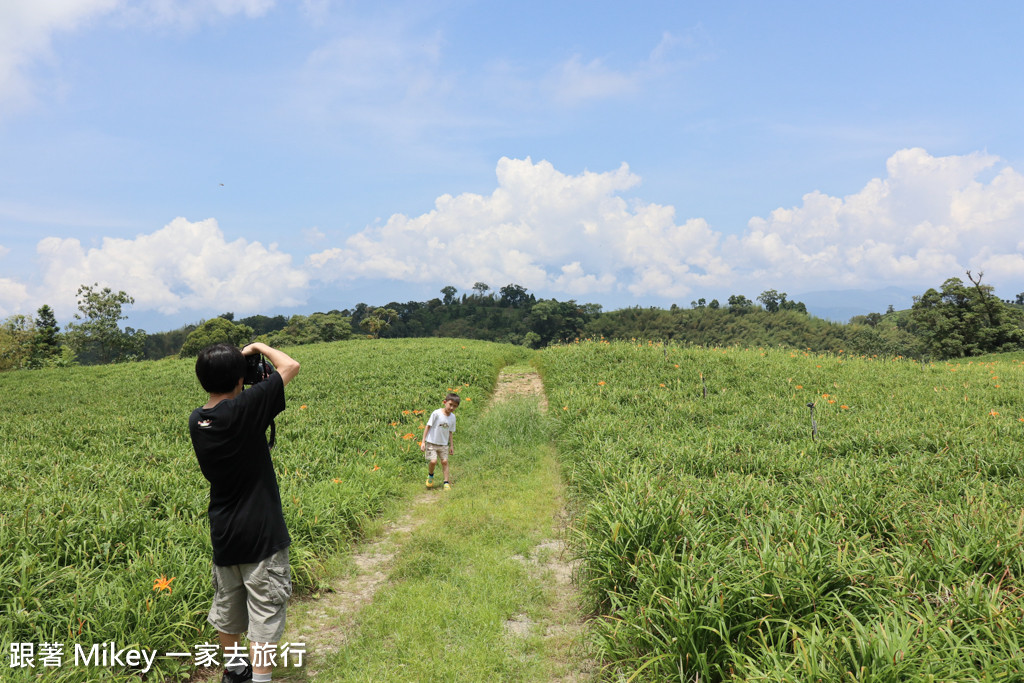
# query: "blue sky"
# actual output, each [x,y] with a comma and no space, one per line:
[261,156]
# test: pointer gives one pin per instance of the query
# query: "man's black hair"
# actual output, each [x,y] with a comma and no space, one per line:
[219,367]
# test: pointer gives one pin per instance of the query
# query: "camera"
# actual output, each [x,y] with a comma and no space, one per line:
[257,369]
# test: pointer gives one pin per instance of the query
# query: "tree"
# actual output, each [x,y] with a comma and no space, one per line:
[16,334]
[1020,299]
[552,321]
[317,327]
[770,299]
[261,324]
[218,330]
[797,306]
[449,295]
[515,296]
[481,289]
[379,321]
[740,304]
[959,321]
[871,319]
[45,343]
[98,338]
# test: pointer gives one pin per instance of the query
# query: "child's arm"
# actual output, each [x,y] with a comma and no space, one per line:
[451,444]
[423,441]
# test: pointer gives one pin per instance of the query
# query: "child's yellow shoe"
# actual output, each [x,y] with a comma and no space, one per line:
[430,482]
[447,486]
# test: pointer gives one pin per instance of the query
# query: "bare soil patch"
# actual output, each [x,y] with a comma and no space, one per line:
[520,383]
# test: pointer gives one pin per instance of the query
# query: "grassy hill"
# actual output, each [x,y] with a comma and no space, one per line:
[727,531]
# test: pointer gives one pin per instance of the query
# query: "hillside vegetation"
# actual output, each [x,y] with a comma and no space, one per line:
[741,514]
[101,494]
[750,514]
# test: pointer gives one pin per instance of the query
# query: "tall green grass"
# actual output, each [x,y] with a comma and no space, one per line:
[463,574]
[723,540]
[100,492]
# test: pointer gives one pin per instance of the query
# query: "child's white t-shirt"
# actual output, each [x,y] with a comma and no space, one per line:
[441,427]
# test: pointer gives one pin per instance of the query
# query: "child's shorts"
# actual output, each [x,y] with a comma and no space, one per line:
[432,452]
[252,597]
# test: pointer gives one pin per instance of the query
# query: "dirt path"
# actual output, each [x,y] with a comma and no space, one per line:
[324,621]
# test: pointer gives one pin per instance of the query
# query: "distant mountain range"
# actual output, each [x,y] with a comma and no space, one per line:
[841,305]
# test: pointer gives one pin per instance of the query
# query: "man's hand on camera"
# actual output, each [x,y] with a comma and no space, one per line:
[286,366]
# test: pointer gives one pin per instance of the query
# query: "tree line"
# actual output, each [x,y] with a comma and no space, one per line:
[957,320]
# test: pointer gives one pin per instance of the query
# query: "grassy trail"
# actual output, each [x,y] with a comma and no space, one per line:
[470,584]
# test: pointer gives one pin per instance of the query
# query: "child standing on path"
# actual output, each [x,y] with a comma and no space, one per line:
[439,439]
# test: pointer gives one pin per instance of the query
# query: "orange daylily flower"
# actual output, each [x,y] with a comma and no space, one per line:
[376,467]
[303,407]
[601,383]
[163,583]
[408,436]
[406,412]
[845,407]
[993,413]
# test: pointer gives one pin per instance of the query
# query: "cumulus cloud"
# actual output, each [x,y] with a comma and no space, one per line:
[182,266]
[582,235]
[929,219]
[542,229]
[14,296]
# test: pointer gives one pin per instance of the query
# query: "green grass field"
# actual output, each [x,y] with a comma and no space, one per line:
[724,536]
[724,540]
[101,495]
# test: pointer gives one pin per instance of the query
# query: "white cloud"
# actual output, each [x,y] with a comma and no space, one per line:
[574,81]
[929,219]
[313,235]
[564,235]
[190,13]
[13,297]
[25,30]
[542,229]
[182,266]
[27,26]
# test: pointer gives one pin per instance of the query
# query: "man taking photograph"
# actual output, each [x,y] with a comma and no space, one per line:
[251,575]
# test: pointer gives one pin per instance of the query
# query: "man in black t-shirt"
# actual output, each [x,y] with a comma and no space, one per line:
[251,576]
